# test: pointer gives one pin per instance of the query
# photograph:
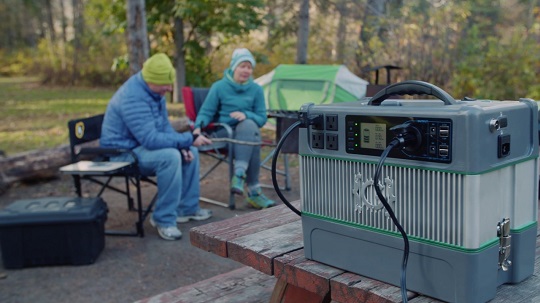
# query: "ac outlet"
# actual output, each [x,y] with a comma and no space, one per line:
[317,140]
[331,122]
[332,141]
[319,125]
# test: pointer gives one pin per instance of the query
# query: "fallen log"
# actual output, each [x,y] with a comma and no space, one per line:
[33,165]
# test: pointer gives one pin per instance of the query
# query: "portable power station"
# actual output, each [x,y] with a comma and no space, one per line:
[465,190]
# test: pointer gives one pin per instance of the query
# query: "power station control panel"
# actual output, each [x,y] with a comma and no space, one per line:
[370,135]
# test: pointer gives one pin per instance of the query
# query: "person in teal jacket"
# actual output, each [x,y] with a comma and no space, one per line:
[137,119]
[239,102]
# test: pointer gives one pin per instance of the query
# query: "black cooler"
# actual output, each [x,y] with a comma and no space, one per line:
[52,231]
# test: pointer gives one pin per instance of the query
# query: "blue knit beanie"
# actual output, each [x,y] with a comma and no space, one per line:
[241,55]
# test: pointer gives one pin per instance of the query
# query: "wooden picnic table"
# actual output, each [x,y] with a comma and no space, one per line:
[271,242]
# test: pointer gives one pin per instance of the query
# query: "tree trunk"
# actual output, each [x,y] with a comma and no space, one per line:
[371,26]
[137,35]
[180,64]
[303,33]
[342,31]
[272,23]
[63,41]
[78,26]
[50,32]
[50,22]
[10,22]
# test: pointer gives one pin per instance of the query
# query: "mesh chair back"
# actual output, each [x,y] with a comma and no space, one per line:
[199,95]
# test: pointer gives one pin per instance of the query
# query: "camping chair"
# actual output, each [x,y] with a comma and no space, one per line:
[193,100]
[92,164]
[219,150]
[284,119]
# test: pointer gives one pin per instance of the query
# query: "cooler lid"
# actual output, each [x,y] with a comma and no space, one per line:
[52,210]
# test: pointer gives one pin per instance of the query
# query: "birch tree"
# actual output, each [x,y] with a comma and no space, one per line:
[137,35]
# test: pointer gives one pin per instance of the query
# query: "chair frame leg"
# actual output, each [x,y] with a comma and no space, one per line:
[232,204]
[142,213]
[284,172]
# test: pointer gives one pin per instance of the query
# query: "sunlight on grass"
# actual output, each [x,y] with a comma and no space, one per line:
[35,117]
[14,80]
[25,140]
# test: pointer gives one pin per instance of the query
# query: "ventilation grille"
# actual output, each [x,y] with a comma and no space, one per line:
[428,204]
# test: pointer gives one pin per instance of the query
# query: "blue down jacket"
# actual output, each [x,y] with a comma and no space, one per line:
[136,116]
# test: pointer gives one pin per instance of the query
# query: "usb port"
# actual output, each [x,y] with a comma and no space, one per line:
[444,131]
[443,150]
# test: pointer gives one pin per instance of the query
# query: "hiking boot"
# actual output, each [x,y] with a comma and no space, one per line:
[201,214]
[237,184]
[167,233]
[259,200]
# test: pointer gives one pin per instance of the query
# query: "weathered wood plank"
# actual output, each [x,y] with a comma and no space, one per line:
[213,237]
[350,288]
[285,292]
[258,238]
[310,275]
[258,250]
[242,285]
[424,300]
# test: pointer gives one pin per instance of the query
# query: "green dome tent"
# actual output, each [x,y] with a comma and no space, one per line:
[289,86]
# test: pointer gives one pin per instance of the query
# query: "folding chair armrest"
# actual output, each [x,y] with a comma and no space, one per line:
[108,152]
[102,150]
[227,127]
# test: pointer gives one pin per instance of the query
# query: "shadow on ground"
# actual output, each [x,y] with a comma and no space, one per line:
[129,268]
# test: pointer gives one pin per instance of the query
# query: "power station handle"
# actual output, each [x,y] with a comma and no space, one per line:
[411,87]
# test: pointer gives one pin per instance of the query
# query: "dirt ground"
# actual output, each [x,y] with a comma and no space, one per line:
[129,268]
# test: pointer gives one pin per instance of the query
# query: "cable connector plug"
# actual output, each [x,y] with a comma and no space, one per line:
[306,119]
[407,136]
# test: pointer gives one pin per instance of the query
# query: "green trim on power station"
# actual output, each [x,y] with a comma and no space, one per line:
[482,247]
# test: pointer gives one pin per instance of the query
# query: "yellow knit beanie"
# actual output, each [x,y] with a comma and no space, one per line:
[158,69]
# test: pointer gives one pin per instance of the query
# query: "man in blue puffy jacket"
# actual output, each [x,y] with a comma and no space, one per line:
[137,119]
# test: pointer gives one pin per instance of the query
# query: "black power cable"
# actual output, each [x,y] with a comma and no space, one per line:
[403,139]
[275,160]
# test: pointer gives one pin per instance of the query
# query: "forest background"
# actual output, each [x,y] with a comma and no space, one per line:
[477,48]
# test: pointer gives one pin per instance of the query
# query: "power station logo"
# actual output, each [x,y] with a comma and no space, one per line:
[365,196]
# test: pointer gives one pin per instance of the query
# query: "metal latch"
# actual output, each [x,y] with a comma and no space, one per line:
[503,232]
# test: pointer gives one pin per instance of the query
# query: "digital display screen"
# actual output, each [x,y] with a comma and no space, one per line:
[370,135]
[373,135]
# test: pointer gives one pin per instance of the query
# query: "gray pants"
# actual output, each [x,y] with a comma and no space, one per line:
[247,158]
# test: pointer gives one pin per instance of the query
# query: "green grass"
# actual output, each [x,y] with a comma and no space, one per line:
[35,116]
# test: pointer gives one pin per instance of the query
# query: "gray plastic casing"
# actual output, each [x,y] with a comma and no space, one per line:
[450,210]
